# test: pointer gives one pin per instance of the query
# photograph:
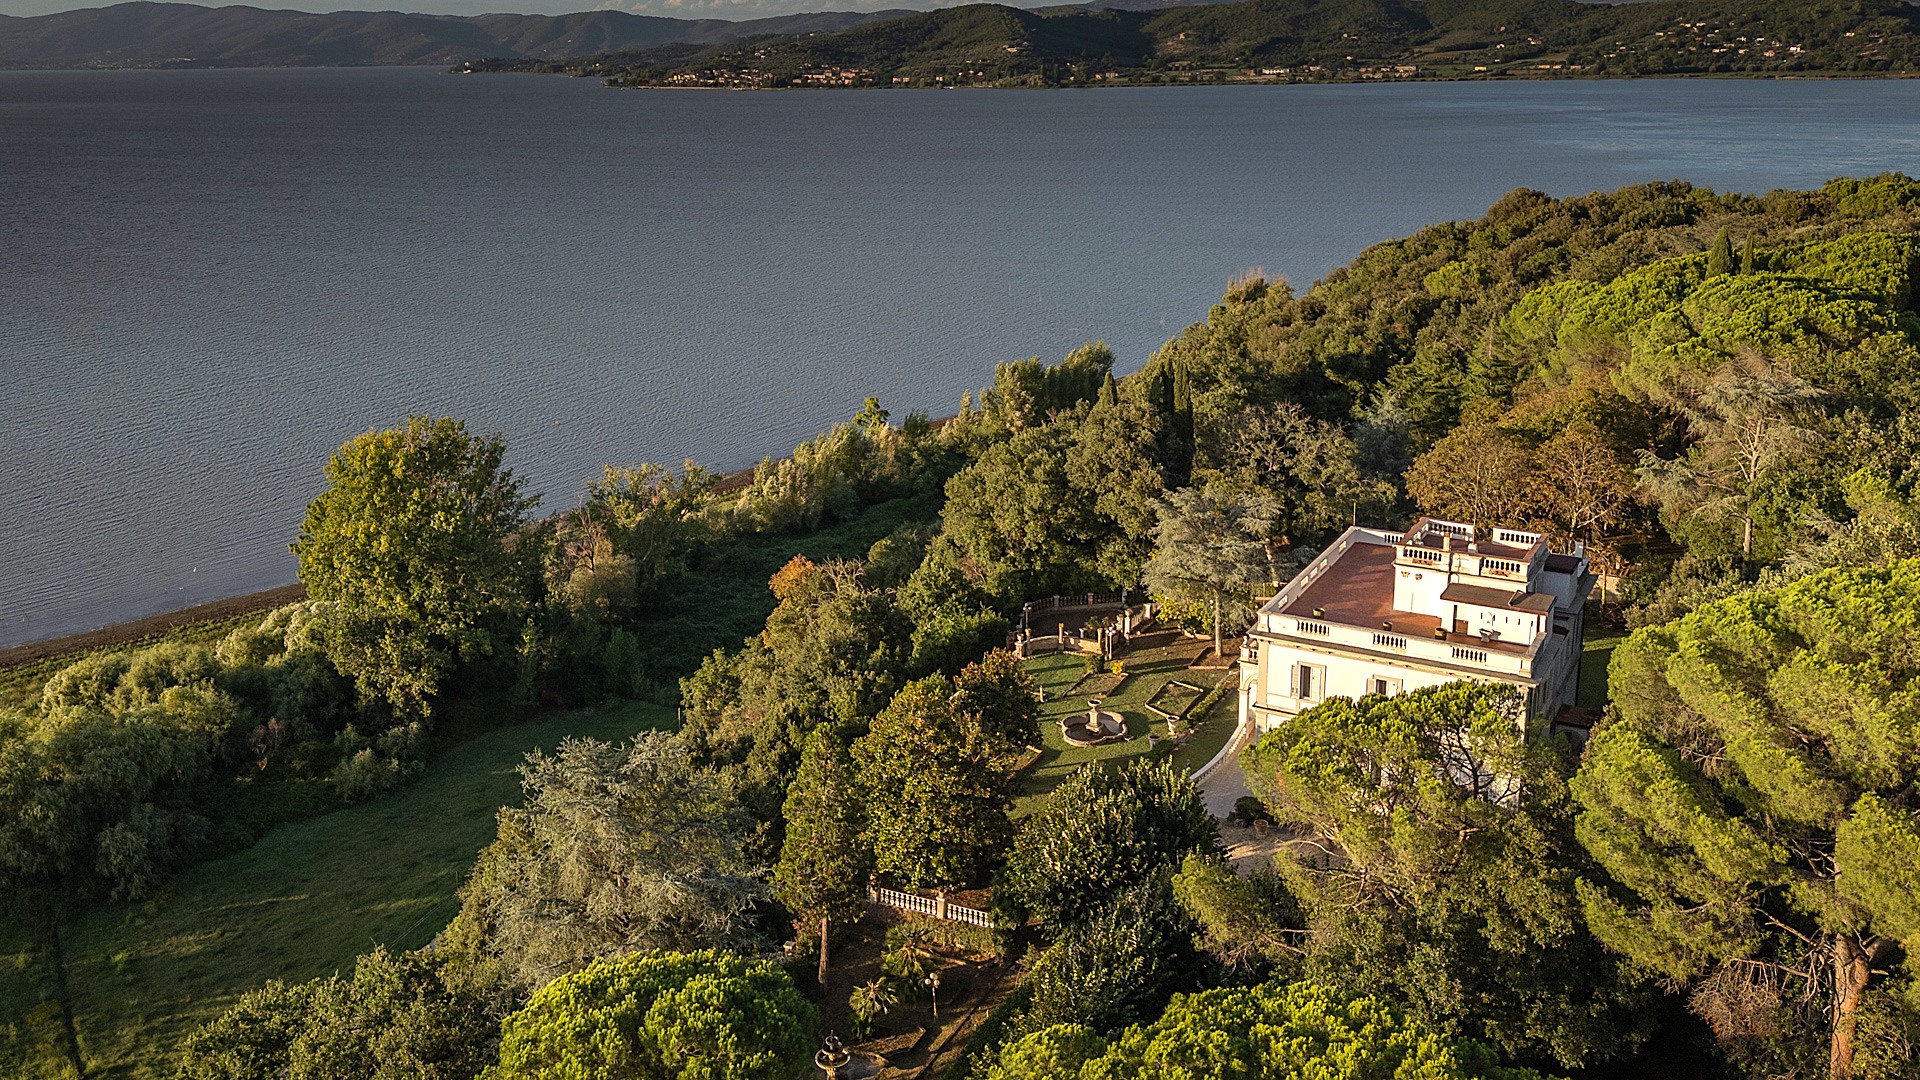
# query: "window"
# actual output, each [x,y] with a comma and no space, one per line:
[1383,686]
[1309,681]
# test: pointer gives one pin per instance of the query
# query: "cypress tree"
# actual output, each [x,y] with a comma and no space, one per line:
[825,862]
[1720,260]
[1179,462]
[1109,393]
[1748,264]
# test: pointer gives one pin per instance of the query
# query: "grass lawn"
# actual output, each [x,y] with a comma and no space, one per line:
[1212,731]
[303,902]
[1148,670]
[1593,668]
[312,895]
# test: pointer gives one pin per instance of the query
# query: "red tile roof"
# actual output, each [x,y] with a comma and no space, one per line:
[1357,590]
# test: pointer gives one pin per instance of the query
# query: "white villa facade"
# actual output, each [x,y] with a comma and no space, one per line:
[1386,612]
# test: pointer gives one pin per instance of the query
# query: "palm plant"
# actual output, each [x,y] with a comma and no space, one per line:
[869,1002]
[909,955]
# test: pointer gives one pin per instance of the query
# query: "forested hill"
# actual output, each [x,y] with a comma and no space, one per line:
[1305,40]
[187,35]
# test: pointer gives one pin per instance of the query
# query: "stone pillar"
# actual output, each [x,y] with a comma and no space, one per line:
[940,904]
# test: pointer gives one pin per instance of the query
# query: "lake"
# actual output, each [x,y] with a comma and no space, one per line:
[209,279]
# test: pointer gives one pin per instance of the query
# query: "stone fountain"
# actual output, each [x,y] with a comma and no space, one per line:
[1094,727]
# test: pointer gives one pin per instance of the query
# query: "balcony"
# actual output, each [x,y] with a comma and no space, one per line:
[1507,658]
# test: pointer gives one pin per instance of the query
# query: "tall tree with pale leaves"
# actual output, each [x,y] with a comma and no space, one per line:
[1210,546]
[618,849]
[1751,418]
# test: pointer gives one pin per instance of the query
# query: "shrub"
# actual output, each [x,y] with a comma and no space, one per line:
[708,1015]
[366,775]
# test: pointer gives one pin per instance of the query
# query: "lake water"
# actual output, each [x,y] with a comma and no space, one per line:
[208,280]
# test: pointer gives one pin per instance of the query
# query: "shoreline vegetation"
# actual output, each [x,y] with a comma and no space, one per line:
[148,629]
[1274,42]
[1718,394]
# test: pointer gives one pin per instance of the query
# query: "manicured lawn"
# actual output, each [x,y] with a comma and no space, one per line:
[1213,730]
[303,902]
[1593,668]
[1148,670]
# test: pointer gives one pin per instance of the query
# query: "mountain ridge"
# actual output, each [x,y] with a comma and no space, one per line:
[1300,40]
[146,33]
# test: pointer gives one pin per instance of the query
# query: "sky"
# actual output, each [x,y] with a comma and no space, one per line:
[681,9]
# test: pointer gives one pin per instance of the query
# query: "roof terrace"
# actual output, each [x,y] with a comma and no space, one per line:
[1480,607]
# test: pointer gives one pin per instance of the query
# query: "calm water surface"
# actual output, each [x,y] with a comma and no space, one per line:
[208,280]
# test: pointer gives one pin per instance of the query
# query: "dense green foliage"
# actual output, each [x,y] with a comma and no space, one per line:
[833,651]
[999,696]
[1751,805]
[118,772]
[936,794]
[1250,924]
[1584,348]
[395,1019]
[1451,890]
[1059,494]
[1105,831]
[1297,1030]
[825,862]
[1118,962]
[413,539]
[992,45]
[661,1016]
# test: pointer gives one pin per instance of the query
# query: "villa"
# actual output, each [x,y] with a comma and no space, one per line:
[1385,612]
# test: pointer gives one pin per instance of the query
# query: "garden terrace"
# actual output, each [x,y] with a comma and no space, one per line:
[1154,662]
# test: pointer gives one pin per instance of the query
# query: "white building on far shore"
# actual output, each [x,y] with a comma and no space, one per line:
[1385,612]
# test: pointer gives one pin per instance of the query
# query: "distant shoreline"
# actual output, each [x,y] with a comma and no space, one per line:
[1734,76]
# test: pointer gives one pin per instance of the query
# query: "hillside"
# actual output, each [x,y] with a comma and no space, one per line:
[143,34]
[1551,364]
[1301,40]
[1125,41]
